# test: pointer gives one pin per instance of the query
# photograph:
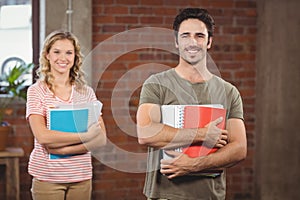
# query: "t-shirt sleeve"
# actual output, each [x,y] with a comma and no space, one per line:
[236,107]
[91,94]
[150,92]
[34,103]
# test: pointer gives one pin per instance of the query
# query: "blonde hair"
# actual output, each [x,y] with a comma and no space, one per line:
[76,72]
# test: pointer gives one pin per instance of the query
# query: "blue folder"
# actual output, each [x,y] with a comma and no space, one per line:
[68,120]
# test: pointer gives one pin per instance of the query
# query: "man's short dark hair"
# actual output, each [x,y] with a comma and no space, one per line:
[194,13]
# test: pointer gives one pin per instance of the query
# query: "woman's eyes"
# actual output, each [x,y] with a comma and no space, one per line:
[68,52]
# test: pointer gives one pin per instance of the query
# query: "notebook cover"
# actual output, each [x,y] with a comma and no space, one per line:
[68,120]
[198,117]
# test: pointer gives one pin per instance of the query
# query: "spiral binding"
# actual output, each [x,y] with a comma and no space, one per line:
[180,119]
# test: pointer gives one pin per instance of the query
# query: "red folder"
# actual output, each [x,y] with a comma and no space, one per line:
[198,117]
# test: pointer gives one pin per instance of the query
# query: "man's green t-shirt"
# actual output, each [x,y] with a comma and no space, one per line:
[168,88]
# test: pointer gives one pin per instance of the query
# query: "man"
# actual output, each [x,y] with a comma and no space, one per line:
[190,82]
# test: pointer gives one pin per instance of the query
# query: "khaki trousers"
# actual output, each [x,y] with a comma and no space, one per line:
[156,199]
[42,190]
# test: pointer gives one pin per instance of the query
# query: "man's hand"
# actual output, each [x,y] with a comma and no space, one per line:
[213,135]
[180,165]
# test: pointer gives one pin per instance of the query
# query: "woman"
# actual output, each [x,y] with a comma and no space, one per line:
[61,81]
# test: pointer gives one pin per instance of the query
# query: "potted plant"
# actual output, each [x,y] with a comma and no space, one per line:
[12,86]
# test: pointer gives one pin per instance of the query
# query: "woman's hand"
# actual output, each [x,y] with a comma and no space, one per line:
[96,136]
[92,132]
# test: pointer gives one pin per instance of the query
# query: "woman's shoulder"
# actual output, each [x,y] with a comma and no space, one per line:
[85,88]
[38,85]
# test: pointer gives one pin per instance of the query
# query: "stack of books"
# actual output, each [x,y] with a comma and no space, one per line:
[193,116]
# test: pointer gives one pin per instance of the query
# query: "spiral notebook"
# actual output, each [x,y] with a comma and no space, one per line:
[193,116]
[73,119]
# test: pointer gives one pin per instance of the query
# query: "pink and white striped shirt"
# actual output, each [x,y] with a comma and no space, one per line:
[72,169]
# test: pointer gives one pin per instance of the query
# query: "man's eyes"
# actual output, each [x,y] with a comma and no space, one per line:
[197,35]
[184,35]
[200,35]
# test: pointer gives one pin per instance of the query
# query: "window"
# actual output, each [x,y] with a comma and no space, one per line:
[15,35]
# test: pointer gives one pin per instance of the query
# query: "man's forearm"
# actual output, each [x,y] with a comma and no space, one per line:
[162,136]
[225,157]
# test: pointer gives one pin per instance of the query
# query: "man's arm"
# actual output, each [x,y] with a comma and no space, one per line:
[234,152]
[152,132]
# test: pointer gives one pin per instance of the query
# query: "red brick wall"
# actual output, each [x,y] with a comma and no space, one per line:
[233,52]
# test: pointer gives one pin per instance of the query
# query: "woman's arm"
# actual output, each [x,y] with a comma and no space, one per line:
[90,145]
[55,139]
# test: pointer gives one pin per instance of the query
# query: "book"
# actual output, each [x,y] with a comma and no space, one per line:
[199,117]
[73,119]
[193,116]
[94,108]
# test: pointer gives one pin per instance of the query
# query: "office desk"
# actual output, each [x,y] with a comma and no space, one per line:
[10,158]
